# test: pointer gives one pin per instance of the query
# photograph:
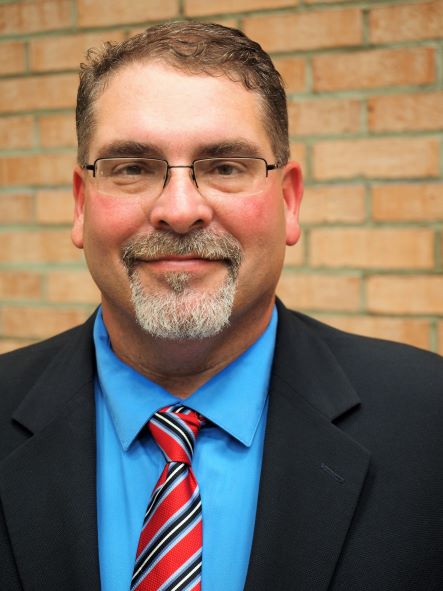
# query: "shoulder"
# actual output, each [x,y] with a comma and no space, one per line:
[22,368]
[377,365]
[398,390]
[35,355]
[365,361]
[353,347]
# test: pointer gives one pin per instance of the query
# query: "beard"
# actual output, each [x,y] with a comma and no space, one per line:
[183,312]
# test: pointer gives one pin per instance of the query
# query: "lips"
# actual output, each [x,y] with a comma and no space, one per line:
[176,257]
[187,263]
[196,248]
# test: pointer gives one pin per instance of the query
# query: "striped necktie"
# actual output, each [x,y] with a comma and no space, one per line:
[169,553]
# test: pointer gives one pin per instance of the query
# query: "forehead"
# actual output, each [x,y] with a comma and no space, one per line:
[157,104]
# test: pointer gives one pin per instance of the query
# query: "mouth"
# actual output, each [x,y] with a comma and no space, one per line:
[196,252]
[191,263]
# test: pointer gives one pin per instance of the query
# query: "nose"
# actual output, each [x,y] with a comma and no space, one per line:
[180,207]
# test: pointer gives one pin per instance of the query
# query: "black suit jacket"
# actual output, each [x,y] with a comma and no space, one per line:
[351,490]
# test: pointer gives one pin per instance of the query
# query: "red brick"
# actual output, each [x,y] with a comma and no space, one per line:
[323,116]
[319,292]
[20,246]
[374,68]
[372,248]
[17,132]
[20,285]
[293,71]
[329,204]
[413,294]
[412,331]
[295,255]
[36,322]
[72,287]
[377,158]
[206,7]
[66,52]
[406,22]
[406,112]
[16,208]
[33,16]
[298,153]
[408,202]
[306,30]
[12,57]
[92,13]
[42,92]
[37,169]
[57,130]
[54,206]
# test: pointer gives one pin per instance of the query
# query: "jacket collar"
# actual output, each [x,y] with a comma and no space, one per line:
[47,485]
[312,472]
[70,370]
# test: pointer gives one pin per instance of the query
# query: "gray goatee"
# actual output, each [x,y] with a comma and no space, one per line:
[183,312]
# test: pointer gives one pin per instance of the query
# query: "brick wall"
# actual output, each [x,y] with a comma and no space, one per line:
[365,84]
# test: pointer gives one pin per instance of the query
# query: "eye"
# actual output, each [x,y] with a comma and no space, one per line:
[225,168]
[130,169]
[134,169]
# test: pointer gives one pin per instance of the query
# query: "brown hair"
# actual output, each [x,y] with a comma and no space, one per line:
[196,48]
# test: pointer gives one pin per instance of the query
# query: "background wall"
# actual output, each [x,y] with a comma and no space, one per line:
[365,84]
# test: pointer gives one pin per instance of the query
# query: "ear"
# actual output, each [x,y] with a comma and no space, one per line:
[292,186]
[78,187]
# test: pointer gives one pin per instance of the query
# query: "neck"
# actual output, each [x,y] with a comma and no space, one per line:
[181,367]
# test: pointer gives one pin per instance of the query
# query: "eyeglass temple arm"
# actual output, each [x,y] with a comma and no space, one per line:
[272,167]
[89,167]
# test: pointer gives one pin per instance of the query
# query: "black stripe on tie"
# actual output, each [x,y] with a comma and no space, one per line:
[183,425]
[183,521]
[176,469]
[181,428]
[191,573]
[184,434]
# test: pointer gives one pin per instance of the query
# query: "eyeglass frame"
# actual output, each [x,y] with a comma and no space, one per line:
[268,167]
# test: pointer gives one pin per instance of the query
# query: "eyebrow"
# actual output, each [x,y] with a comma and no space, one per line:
[230,148]
[234,147]
[122,149]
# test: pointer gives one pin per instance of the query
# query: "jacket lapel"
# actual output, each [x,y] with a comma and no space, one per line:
[47,486]
[312,472]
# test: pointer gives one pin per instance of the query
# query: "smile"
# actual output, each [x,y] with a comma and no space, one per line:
[179,263]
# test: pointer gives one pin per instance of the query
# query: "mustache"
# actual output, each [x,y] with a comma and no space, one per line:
[202,243]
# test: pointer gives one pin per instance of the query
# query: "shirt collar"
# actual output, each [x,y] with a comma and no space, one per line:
[234,399]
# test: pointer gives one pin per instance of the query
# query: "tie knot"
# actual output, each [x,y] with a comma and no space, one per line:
[175,429]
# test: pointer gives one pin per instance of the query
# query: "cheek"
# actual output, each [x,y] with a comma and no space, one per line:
[110,221]
[257,221]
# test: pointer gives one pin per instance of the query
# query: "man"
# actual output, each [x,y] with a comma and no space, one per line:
[318,454]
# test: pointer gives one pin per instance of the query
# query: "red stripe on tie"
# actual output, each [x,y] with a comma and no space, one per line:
[178,555]
[177,498]
[170,544]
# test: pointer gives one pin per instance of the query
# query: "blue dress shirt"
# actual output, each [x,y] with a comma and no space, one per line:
[227,459]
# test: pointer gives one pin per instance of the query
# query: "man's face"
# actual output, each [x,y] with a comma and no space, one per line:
[194,262]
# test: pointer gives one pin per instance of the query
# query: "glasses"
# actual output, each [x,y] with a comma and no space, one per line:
[213,177]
